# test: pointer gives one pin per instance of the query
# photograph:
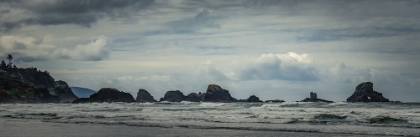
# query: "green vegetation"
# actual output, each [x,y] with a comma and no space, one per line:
[16,90]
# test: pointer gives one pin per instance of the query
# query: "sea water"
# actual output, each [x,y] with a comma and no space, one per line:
[341,117]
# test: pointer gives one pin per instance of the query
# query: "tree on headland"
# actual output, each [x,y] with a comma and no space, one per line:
[10,57]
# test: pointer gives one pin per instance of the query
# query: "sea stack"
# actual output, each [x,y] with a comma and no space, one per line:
[313,97]
[364,93]
[215,93]
[253,98]
[173,96]
[144,96]
[107,95]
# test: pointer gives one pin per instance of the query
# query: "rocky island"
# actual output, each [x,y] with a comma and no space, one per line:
[107,95]
[364,93]
[313,97]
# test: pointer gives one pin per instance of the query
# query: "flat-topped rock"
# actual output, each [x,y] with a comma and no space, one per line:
[313,97]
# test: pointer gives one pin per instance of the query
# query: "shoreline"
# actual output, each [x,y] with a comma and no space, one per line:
[37,128]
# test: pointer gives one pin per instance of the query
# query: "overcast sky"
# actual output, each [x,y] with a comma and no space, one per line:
[274,49]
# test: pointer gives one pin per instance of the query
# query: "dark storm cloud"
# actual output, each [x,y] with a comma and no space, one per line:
[78,12]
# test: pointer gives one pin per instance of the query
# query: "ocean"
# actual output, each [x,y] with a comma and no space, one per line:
[397,119]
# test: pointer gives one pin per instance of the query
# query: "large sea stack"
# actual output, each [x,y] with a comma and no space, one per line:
[144,96]
[215,93]
[107,95]
[364,93]
[173,96]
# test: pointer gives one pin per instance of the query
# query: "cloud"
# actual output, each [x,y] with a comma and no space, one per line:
[15,42]
[80,12]
[290,67]
[201,20]
[94,51]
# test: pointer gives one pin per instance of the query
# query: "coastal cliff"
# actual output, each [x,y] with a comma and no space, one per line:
[39,80]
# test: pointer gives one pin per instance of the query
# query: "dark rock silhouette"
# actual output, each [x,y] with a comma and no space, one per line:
[107,95]
[194,97]
[274,101]
[14,91]
[313,97]
[253,98]
[364,93]
[63,91]
[39,79]
[215,93]
[144,96]
[173,96]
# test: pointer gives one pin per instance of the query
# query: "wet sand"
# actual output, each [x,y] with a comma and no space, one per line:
[37,128]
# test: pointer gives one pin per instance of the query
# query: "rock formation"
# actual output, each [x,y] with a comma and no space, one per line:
[178,96]
[253,98]
[14,91]
[313,97]
[194,97]
[274,101]
[364,93]
[39,79]
[173,96]
[144,96]
[63,91]
[107,95]
[215,93]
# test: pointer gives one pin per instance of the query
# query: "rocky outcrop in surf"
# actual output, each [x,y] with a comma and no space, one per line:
[194,97]
[173,96]
[274,101]
[313,97]
[364,93]
[178,96]
[215,93]
[107,95]
[39,79]
[252,98]
[144,96]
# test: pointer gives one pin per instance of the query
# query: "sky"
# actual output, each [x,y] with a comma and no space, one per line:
[274,49]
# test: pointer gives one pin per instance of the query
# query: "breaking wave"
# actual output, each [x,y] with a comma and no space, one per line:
[350,118]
